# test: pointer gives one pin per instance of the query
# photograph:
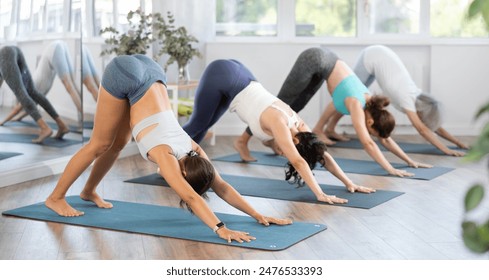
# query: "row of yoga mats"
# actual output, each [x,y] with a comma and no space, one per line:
[347,165]
[410,148]
[178,223]
[27,139]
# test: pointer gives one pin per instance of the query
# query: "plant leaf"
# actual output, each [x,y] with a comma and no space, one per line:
[471,237]
[482,110]
[474,8]
[474,197]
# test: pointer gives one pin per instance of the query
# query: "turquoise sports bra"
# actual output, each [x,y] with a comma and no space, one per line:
[351,86]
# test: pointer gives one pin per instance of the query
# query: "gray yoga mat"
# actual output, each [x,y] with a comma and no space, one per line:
[347,165]
[6,155]
[27,139]
[412,148]
[281,189]
[171,222]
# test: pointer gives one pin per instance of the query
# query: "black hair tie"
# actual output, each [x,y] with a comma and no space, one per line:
[192,153]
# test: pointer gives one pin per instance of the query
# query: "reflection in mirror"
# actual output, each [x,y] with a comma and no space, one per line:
[41,93]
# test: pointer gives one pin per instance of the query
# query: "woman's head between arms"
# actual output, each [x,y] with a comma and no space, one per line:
[428,110]
[379,121]
[199,173]
[312,151]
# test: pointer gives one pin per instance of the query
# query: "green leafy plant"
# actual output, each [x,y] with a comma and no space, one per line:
[476,236]
[136,40]
[145,29]
[177,43]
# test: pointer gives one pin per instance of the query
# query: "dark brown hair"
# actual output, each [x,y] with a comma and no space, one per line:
[200,174]
[384,122]
[312,150]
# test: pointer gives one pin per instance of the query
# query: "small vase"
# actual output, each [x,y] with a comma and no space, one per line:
[183,74]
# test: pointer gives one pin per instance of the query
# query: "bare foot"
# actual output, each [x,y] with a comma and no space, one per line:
[95,198]
[61,132]
[271,144]
[324,138]
[62,208]
[336,136]
[243,151]
[45,133]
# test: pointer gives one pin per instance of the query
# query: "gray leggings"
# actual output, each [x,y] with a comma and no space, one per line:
[14,71]
[311,69]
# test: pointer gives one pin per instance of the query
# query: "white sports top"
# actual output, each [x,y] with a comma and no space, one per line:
[249,104]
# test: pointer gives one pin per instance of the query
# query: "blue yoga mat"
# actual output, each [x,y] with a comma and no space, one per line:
[281,189]
[412,148]
[171,222]
[27,139]
[86,125]
[5,155]
[347,165]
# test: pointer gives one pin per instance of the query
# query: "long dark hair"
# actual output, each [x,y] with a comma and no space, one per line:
[384,122]
[312,150]
[200,175]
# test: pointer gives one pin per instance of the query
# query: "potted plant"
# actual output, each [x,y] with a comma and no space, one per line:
[136,40]
[147,29]
[177,43]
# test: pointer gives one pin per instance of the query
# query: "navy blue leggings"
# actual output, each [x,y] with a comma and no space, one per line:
[13,69]
[221,81]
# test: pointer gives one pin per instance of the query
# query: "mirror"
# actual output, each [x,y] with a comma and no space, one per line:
[46,34]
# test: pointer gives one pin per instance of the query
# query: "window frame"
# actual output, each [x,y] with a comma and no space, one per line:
[286,31]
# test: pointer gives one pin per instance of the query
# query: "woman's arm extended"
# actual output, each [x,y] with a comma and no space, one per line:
[171,172]
[358,120]
[427,134]
[331,165]
[283,138]
[392,146]
[225,191]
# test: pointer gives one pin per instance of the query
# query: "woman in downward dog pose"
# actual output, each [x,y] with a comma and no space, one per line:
[369,116]
[228,84]
[380,63]
[133,97]
[14,71]
[56,60]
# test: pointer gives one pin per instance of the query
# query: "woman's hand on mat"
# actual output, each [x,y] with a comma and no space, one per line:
[400,173]
[271,220]
[356,188]
[231,235]
[420,165]
[331,199]
[455,153]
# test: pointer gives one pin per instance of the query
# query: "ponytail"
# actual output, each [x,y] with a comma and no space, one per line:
[384,122]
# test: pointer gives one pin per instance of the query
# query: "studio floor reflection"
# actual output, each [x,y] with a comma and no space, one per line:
[33,154]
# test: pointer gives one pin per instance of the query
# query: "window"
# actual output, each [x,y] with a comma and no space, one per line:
[448,19]
[350,19]
[75,18]
[113,13]
[321,18]
[246,18]
[5,15]
[394,16]
[24,21]
[54,16]
[38,8]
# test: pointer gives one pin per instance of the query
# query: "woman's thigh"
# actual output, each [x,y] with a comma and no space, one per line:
[110,115]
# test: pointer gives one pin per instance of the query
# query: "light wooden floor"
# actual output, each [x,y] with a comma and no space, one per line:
[424,223]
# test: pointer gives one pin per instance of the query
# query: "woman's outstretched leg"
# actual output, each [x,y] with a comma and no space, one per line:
[103,164]
[109,117]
